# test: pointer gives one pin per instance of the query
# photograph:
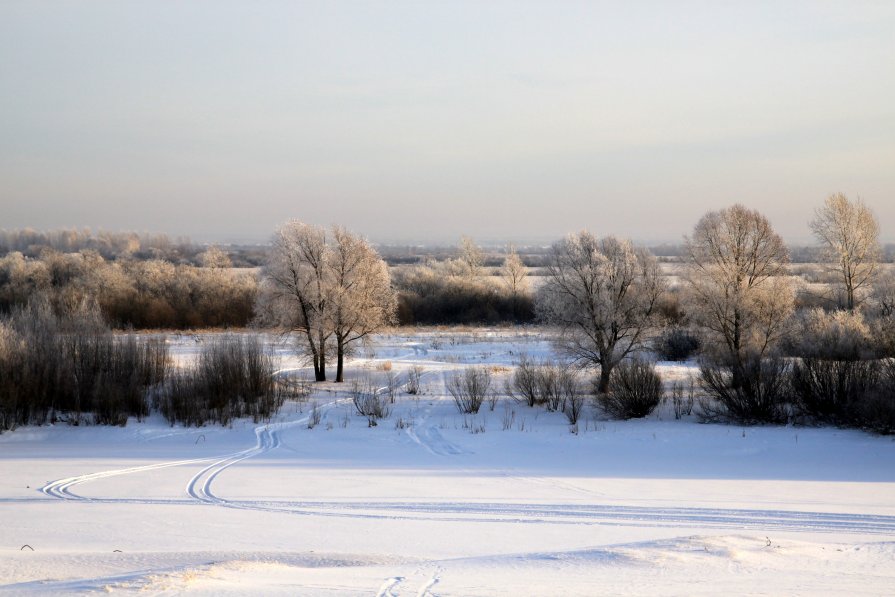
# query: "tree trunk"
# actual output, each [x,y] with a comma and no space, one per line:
[737,378]
[603,385]
[340,362]
[319,371]
[320,368]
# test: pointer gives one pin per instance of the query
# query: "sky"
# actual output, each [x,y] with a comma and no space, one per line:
[423,121]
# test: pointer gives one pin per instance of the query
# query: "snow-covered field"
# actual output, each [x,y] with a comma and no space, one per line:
[430,502]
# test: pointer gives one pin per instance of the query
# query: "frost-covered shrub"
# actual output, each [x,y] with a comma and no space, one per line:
[676,344]
[573,407]
[414,385]
[370,403]
[882,315]
[837,335]
[546,383]
[524,382]
[428,295]
[832,390]
[233,377]
[469,388]
[756,392]
[838,373]
[149,293]
[73,368]
[876,411]
[635,390]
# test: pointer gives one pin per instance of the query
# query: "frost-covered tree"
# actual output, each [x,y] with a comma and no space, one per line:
[515,277]
[602,295]
[362,299]
[215,258]
[294,291]
[737,285]
[471,257]
[330,290]
[514,272]
[849,234]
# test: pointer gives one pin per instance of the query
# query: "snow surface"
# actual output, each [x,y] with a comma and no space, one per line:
[446,504]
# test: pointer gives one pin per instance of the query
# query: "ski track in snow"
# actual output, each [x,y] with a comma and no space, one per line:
[426,434]
[200,489]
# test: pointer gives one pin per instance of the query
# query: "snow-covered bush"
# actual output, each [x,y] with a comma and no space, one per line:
[757,391]
[438,295]
[635,390]
[676,344]
[233,377]
[73,368]
[877,410]
[830,390]
[837,335]
[414,385]
[147,293]
[546,383]
[469,388]
[368,402]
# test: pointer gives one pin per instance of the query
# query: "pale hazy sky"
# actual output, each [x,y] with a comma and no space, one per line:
[426,120]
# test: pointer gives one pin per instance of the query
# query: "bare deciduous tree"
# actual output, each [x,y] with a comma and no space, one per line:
[363,300]
[515,277]
[471,257]
[294,293]
[330,292]
[602,294]
[849,233]
[737,283]
[215,258]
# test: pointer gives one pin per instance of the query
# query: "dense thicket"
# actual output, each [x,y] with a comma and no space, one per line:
[635,390]
[73,369]
[233,377]
[110,245]
[129,292]
[430,296]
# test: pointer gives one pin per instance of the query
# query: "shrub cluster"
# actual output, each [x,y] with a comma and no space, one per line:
[73,369]
[754,392]
[369,402]
[232,377]
[428,297]
[131,293]
[676,344]
[552,385]
[635,390]
[111,245]
[834,375]
[469,388]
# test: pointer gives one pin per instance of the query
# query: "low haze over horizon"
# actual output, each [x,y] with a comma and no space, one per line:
[416,122]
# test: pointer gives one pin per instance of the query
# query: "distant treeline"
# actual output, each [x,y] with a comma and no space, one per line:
[130,293]
[113,246]
[151,281]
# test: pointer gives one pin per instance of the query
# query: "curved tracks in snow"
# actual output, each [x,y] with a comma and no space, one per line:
[200,490]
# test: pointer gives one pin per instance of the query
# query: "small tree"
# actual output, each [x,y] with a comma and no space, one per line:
[602,295]
[215,258]
[471,257]
[738,290]
[362,299]
[295,289]
[849,234]
[329,291]
[515,277]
